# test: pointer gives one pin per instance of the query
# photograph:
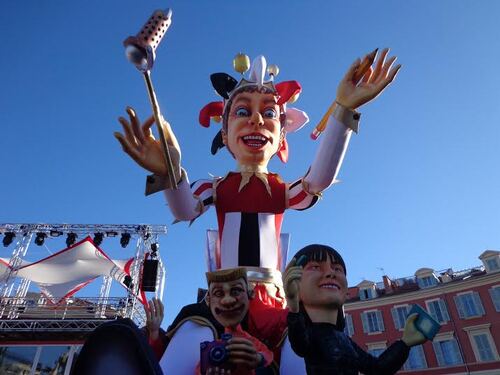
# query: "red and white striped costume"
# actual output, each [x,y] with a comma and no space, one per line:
[249,218]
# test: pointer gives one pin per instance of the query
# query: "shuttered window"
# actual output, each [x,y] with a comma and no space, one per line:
[372,321]
[469,305]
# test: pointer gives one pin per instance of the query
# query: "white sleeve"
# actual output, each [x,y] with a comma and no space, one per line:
[329,157]
[188,202]
[183,351]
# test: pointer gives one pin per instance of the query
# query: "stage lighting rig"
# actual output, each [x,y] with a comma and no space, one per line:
[40,238]
[154,249]
[125,239]
[55,233]
[8,238]
[98,237]
[71,239]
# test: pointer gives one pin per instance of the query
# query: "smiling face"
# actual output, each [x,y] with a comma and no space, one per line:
[253,132]
[228,301]
[323,284]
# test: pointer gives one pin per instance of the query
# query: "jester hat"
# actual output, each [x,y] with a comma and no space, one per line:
[226,86]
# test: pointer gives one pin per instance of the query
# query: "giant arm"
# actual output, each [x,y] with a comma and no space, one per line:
[187,202]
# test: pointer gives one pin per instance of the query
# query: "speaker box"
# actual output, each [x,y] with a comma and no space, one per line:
[149,274]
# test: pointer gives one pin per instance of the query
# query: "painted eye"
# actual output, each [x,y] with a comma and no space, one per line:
[242,112]
[236,292]
[270,113]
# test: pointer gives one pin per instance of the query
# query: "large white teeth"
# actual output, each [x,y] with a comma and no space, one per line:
[256,137]
[330,286]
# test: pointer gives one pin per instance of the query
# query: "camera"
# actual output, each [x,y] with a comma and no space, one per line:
[215,354]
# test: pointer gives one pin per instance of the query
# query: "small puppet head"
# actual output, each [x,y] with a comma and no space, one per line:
[228,295]
[323,284]
[257,112]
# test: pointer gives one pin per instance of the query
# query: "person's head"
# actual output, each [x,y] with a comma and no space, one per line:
[252,125]
[228,295]
[323,284]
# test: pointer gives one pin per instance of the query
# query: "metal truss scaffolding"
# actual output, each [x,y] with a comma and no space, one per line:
[20,313]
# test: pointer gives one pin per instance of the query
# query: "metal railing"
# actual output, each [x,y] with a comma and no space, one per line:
[69,313]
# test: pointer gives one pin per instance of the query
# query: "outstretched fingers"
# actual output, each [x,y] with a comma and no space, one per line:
[349,76]
[146,127]
[379,64]
[129,148]
[136,127]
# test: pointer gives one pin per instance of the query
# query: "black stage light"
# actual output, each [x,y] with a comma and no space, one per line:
[125,239]
[55,233]
[8,237]
[98,237]
[40,238]
[71,239]
[111,234]
[154,249]
[127,281]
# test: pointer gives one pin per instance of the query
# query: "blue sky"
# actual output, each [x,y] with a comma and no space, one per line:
[419,183]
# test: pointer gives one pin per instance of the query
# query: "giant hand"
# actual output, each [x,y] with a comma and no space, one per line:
[411,335]
[353,93]
[291,283]
[140,144]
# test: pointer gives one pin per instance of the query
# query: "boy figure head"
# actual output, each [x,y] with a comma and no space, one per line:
[228,296]
[316,279]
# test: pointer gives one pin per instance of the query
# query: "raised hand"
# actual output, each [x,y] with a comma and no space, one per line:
[353,93]
[411,335]
[291,284]
[154,317]
[140,144]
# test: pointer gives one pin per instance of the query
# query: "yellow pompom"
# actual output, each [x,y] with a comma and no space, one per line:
[273,70]
[217,118]
[241,63]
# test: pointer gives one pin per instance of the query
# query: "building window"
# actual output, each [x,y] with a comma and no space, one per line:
[437,309]
[495,297]
[416,359]
[17,359]
[426,281]
[483,344]
[53,359]
[367,293]
[469,305]
[399,314]
[447,352]
[349,327]
[372,321]
[492,264]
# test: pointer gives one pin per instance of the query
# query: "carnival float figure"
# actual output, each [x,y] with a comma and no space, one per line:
[249,201]
[236,351]
[316,290]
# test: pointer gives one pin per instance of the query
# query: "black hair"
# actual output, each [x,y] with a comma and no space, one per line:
[319,253]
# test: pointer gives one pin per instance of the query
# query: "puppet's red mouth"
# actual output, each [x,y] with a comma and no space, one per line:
[255,140]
